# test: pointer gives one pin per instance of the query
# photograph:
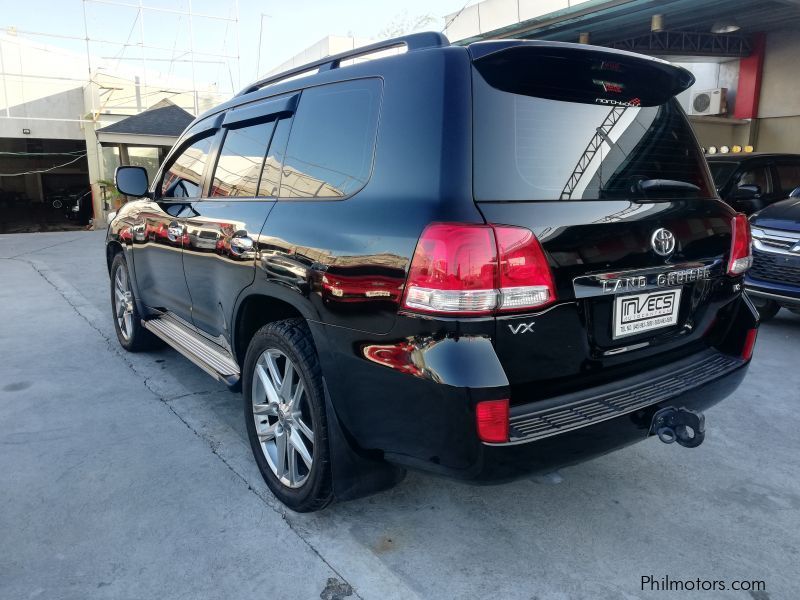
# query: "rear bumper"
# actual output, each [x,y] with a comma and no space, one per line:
[504,462]
[426,420]
[560,442]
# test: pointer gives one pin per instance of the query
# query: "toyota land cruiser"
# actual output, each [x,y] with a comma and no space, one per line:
[481,261]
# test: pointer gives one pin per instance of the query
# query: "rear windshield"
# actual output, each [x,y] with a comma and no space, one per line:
[585,146]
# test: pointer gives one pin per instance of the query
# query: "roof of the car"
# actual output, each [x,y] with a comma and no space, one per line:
[322,69]
[741,156]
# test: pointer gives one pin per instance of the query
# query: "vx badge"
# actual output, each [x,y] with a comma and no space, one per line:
[521,327]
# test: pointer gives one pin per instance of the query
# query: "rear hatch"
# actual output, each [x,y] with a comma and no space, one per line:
[589,149]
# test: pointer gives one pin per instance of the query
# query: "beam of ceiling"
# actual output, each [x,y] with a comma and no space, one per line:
[687,43]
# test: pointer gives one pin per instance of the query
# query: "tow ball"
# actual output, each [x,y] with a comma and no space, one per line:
[687,427]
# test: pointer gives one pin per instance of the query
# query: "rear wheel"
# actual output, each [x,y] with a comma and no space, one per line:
[284,407]
[766,308]
[127,320]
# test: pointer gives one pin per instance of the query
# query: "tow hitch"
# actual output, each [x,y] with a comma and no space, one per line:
[687,427]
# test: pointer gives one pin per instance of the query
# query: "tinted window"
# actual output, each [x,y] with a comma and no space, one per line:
[721,172]
[758,176]
[332,140]
[271,176]
[241,161]
[789,176]
[533,148]
[184,177]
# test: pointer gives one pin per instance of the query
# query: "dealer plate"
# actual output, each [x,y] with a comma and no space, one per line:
[639,313]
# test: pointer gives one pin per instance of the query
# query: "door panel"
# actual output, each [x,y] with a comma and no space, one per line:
[219,257]
[158,241]
[222,230]
[160,235]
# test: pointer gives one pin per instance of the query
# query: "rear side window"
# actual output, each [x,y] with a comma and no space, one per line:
[565,138]
[185,175]
[271,176]
[789,176]
[241,161]
[332,140]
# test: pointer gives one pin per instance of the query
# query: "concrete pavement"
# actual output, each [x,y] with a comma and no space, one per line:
[130,476]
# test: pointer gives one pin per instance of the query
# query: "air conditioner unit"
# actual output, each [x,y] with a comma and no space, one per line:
[709,102]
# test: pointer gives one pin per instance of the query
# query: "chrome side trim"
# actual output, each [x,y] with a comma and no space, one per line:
[213,359]
[571,412]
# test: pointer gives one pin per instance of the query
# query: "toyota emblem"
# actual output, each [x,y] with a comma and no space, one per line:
[663,242]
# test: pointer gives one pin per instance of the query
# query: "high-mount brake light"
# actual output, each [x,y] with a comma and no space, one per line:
[741,246]
[464,269]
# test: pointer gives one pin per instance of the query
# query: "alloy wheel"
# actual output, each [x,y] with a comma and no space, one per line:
[283,418]
[123,303]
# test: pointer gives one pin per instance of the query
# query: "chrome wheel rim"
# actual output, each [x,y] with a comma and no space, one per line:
[123,303]
[282,417]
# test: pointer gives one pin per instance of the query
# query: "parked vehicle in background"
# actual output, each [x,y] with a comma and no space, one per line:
[774,280]
[481,261]
[752,181]
[78,207]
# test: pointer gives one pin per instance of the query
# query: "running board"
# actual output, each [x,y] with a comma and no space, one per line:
[205,354]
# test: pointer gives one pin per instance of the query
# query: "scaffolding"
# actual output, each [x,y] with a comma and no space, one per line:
[103,61]
[153,65]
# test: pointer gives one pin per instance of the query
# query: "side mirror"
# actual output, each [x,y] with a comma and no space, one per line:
[747,192]
[131,181]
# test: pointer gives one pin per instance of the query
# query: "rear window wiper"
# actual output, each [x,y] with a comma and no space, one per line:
[660,185]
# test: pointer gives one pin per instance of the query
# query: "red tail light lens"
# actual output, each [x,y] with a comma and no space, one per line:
[741,246]
[453,270]
[525,278]
[462,269]
[492,420]
[749,344]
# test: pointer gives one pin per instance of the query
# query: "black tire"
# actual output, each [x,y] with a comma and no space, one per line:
[767,309]
[137,339]
[292,339]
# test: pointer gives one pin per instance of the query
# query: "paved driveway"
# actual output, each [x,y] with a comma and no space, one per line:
[129,476]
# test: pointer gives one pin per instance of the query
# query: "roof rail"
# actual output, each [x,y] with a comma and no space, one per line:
[414,41]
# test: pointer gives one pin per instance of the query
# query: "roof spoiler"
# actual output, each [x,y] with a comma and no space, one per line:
[578,72]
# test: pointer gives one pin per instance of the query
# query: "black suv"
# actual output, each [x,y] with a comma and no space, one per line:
[752,181]
[480,261]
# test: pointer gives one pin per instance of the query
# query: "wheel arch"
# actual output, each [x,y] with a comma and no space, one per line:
[113,248]
[255,310]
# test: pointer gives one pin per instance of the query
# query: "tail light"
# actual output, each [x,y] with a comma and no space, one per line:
[462,269]
[492,420]
[741,246]
[749,344]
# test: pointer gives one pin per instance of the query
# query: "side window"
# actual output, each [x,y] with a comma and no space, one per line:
[332,140]
[241,161]
[758,176]
[185,174]
[789,176]
[271,175]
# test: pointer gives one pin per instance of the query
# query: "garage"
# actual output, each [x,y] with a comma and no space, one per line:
[44,185]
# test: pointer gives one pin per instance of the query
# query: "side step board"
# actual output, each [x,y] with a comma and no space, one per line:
[207,355]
